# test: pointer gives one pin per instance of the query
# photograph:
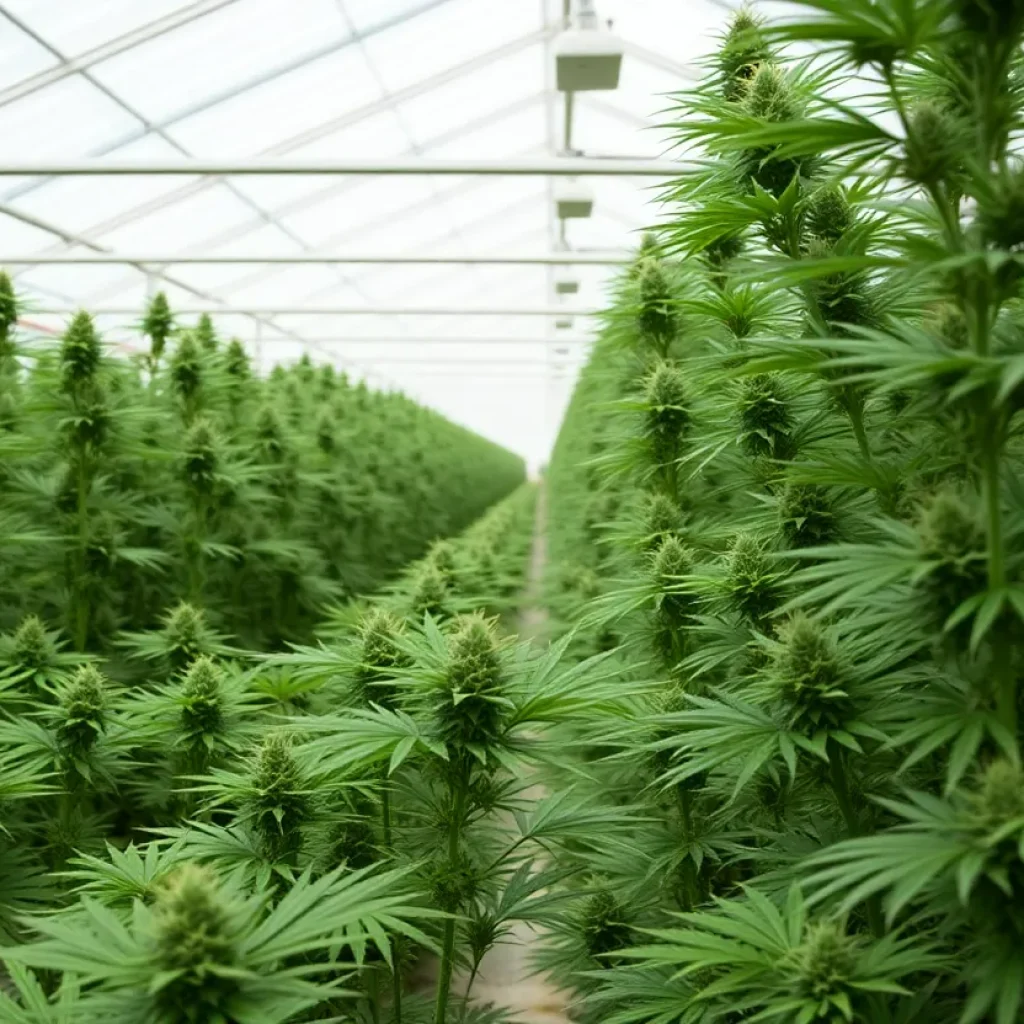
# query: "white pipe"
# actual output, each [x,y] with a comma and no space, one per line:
[325,311]
[601,259]
[579,166]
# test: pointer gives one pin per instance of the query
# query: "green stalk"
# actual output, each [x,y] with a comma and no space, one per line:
[81,605]
[444,981]
[396,953]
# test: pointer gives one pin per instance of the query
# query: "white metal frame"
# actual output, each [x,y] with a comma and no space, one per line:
[582,258]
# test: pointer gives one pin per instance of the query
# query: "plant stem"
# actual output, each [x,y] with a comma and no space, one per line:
[78,589]
[396,952]
[444,981]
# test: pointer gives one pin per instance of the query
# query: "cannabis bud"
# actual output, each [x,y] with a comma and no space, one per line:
[32,646]
[744,50]
[187,367]
[270,434]
[603,926]
[82,705]
[670,562]
[807,515]
[828,214]
[660,517]
[751,580]
[932,150]
[184,635]
[949,324]
[453,884]
[202,712]
[469,710]
[280,803]
[657,317]
[668,417]
[770,98]
[158,323]
[999,800]
[808,676]
[953,541]
[200,457]
[428,592]
[825,964]
[379,655]
[80,351]
[195,945]
[205,334]
[236,362]
[763,407]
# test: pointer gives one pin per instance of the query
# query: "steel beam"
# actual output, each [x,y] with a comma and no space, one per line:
[689,72]
[111,48]
[596,258]
[575,166]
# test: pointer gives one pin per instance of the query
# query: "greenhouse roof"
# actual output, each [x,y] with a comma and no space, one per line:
[327,80]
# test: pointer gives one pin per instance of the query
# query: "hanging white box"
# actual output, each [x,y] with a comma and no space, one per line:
[587,59]
[573,199]
[563,323]
[566,286]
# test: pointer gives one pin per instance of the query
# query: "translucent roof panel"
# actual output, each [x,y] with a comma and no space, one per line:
[330,79]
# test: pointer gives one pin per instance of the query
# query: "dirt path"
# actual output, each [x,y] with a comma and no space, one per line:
[505,977]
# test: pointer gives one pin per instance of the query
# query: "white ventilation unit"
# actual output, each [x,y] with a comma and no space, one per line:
[573,199]
[587,57]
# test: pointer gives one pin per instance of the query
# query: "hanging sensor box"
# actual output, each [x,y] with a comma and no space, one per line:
[563,323]
[566,285]
[573,199]
[587,59]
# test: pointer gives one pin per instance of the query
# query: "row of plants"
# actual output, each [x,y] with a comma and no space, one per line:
[130,483]
[270,838]
[788,502]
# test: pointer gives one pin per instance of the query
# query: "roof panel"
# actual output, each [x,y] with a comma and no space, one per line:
[74,26]
[214,53]
[449,35]
[259,118]
[20,55]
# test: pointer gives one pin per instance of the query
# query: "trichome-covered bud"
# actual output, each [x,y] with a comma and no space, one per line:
[236,361]
[948,323]
[428,591]
[752,582]
[660,517]
[670,563]
[195,946]
[270,434]
[770,98]
[32,646]
[825,968]
[765,420]
[828,214]
[280,802]
[80,352]
[201,457]
[379,654]
[952,541]
[470,708]
[206,336]
[843,297]
[158,324]
[933,149]
[604,927]
[743,51]
[454,884]
[185,635]
[82,704]
[999,798]
[720,252]
[808,515]
[657,315]
[202,702]
[808,676]
[351,842]
[667,411]
[187,367]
